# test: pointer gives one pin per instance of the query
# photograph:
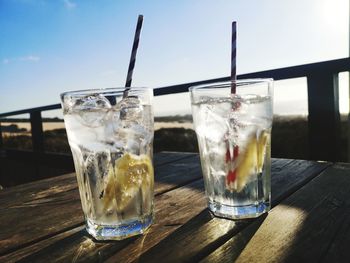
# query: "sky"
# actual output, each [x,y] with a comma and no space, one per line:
[48,47]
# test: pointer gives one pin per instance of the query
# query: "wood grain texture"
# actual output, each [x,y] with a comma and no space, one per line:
[21,253]
[46,187]
[184,230]
[177,173]
[205,233]
[18,195]
[312,225]
[172,210]
[52,206]
[289,175]
[163,158]
[32,221]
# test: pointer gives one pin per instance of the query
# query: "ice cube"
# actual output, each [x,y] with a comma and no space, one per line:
[68,104]
[92,102]
[215,124]
[103,160]
[81,135]
[130,109]
[90,168]
[215,155]
[131,133]
[133,138]
[92,109]
[112,125]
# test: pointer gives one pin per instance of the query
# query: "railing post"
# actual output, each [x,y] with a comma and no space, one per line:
[348,121]
[324,117]
[1,142]
[37,131]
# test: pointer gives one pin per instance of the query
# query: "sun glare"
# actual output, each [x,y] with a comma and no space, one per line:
[335,12]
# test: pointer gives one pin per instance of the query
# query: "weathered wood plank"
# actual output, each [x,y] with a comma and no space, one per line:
[15,196]
[18,195]
[19,254]
[163,158]
[179,173]
[289,175]
[227,252]
[312,225]
[76,239]
[172,210]
[21,225]
[204,234]
[49,208]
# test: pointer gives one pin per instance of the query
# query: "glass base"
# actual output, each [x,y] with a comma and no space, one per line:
[120,231]
[238,212]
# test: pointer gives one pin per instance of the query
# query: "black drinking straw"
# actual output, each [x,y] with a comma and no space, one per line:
[133,56]
[233,58]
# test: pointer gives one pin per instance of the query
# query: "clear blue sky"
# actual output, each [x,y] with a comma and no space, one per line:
[47,47]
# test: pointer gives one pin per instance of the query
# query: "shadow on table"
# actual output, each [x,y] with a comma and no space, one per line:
[78,247]
[179,173]
[320,227]
[198,237]
[311,225]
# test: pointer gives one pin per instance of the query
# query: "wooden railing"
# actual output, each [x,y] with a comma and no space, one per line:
[323,104]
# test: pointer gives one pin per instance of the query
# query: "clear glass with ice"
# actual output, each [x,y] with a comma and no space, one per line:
[234,138]
[111,139]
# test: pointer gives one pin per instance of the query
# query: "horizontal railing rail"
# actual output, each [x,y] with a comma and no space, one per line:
[323,104]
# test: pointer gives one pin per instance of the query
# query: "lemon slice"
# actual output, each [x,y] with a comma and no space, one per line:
[250,161]
[130,175]
[263,138]
[246,164]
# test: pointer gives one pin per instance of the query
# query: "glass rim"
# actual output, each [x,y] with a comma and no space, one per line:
[227,83]
[114,90]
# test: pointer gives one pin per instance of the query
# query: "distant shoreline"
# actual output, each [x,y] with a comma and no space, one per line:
[170,118]
[22,126]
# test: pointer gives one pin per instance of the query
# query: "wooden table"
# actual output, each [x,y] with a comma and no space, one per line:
[310,220]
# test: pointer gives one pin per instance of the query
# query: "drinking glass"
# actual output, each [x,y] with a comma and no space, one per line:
[234,137]
[111,138]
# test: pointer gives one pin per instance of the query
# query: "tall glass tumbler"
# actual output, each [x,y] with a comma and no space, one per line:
[111,140]
[234,137]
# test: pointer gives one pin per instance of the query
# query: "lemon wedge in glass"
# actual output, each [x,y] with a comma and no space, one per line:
[130,176]
[249,161]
